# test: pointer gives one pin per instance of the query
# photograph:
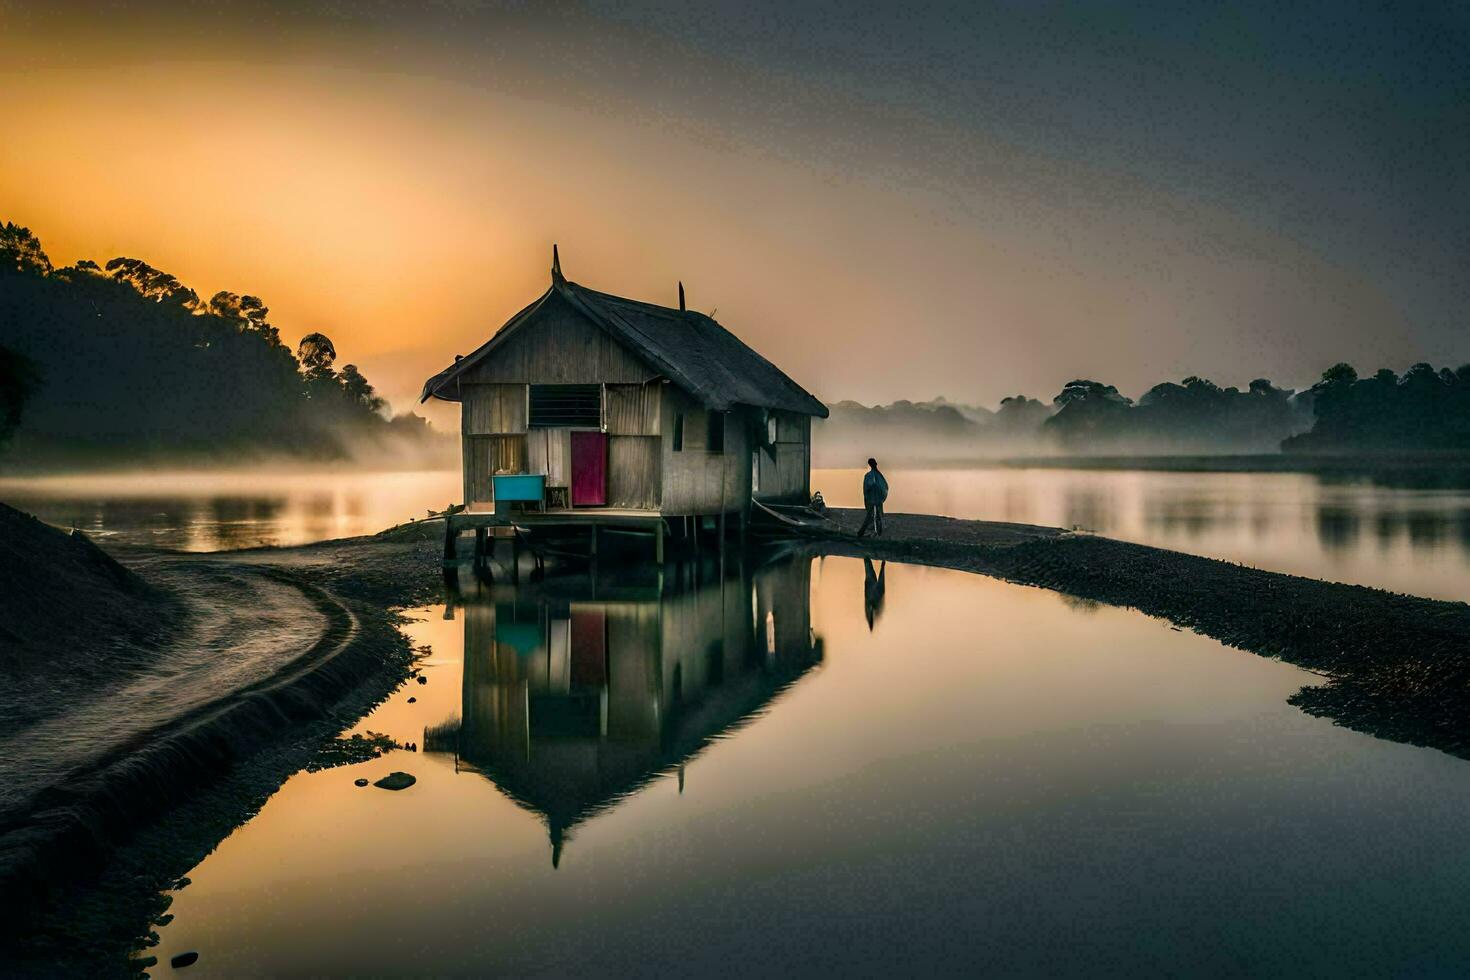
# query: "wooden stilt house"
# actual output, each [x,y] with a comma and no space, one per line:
[590,405]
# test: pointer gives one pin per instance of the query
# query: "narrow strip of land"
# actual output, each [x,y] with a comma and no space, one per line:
[1396,666]
[137,680]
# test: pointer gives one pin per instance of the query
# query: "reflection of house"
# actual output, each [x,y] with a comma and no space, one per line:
[571,703]
[633,409]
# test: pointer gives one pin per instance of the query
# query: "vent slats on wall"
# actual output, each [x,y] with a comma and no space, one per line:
[570,406]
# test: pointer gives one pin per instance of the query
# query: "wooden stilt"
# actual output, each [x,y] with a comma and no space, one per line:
[658,543]
[484,551]
[451,589]
[449,538]
[515,557]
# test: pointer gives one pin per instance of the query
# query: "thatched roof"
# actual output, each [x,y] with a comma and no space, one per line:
[690,349]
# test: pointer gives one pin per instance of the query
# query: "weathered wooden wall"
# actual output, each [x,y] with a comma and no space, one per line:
[634,476]
[791,427]
[633,410]
[549,451]
[559,345]
[492,409]
[484,456]
[634,463]
[695,480]
[786,467]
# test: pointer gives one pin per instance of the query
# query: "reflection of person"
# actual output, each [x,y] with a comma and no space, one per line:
[875,491]
[873,589]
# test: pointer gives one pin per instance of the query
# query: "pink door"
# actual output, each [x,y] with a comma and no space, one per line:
[589,469]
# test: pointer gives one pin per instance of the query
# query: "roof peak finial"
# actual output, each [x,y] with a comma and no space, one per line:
[681,296]
[556,275]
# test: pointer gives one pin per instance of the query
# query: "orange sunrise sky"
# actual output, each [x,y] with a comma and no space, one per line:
[880,217]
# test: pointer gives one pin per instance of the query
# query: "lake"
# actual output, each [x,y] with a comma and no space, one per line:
[1396,534]
[823,766]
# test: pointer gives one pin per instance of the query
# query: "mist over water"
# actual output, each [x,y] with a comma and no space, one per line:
[221,510]
[1379,530]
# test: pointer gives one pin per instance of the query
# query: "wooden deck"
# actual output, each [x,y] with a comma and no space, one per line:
[474,517]
[483,522]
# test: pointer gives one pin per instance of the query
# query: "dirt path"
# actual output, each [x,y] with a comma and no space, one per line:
[239,627]
[276,661]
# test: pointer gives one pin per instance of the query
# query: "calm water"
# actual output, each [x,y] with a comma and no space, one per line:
[1403,538]
[1411,539]
[791,770]
[219,510]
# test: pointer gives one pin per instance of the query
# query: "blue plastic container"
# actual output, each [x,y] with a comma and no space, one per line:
[519,486]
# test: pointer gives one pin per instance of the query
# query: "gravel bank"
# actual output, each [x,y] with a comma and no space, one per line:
[1395,666]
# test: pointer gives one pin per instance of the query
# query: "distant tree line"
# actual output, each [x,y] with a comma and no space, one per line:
[1193,416]
[1086,417]
[115,360]
[1424,410]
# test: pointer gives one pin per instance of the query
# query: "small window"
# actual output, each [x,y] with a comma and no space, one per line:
[715,440]
[566,406]
[679,432]
[771,429]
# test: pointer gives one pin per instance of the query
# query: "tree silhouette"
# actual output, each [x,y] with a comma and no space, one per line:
[21,252]
[1424,410]
[1019,416]
[317,354]
[19,380]
[358,390]
[151,283]
[249,312]
[1090,410]
[1195,415]
[150,370]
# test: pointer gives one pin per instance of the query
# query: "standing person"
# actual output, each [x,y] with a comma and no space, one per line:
[875,491]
